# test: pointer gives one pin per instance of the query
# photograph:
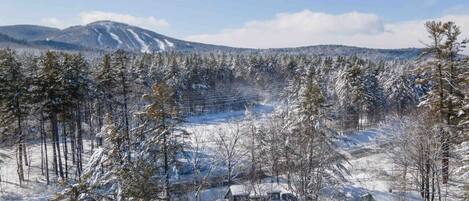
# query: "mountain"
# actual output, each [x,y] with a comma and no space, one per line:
[109,36]
[10,42]
[27,32]
[101,35]
[33,37]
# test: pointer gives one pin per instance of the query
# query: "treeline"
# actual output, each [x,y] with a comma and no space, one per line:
[61,98]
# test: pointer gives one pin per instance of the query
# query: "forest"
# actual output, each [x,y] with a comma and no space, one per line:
[117,125]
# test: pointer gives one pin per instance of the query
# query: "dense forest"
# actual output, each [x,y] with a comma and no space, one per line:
[128,111]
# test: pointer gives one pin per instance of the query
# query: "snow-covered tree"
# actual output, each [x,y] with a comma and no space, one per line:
[229,151]
[417,153]
[100,179]
[445,74]
[351,92]
[14,104]
[164,139]
[315,162]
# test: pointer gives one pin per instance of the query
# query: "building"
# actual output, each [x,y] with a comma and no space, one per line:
[260,192]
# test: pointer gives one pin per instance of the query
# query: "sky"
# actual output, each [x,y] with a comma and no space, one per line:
[255,23]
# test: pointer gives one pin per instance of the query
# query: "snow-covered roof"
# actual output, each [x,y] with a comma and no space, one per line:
[256,190]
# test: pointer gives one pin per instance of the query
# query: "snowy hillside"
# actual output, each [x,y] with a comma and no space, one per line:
[110,36]
[104,35]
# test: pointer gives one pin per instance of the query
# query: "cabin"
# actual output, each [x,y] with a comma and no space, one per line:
[367,197]
[259,192]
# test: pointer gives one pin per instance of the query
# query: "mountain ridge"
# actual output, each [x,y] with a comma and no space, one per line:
[108,35]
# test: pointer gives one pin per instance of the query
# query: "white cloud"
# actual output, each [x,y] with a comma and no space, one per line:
[312,28]
[53,22]
[151,22]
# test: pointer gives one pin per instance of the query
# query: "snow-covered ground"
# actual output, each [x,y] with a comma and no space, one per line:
[371,169]
[204,130]
[35,187]
[370,166]
[373,174]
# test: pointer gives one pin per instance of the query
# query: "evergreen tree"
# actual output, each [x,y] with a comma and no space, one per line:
[374,101]
[351,91]
[315,162]
[50,78]
[77,92]
[162,114]
[14,103]
[445,98]
[401,93]
[120,61]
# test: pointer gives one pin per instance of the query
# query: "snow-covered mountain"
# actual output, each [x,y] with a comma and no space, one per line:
[109,36]
[102,35]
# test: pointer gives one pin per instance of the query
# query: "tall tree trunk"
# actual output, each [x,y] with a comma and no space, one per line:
[20,144]
[166,167]
[91,133]
[447,135]
[42,147]
[44,143]
[253,155]
[73,143]
[444,141]
[79,140]
[26,160]
[54,149]
[19,163]
[126,118]
[99,140]
[55,132]
[65,148]
[433,185]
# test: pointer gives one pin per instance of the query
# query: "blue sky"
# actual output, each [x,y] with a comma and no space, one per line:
[242,22]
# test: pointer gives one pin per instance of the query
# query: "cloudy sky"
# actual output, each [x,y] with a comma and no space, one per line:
[255,23]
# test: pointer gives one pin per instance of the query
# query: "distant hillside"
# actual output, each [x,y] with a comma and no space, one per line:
[28,32]
[341,50]
[110,36]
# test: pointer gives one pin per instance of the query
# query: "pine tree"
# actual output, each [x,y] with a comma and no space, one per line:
[120,61]
[374,101]
[162,114]
[351,92]
[106,82]
[101,176]
[76,87]
[401,93]
[444,74]
[315,161]
[106,79]
[14,102]
[49,81]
